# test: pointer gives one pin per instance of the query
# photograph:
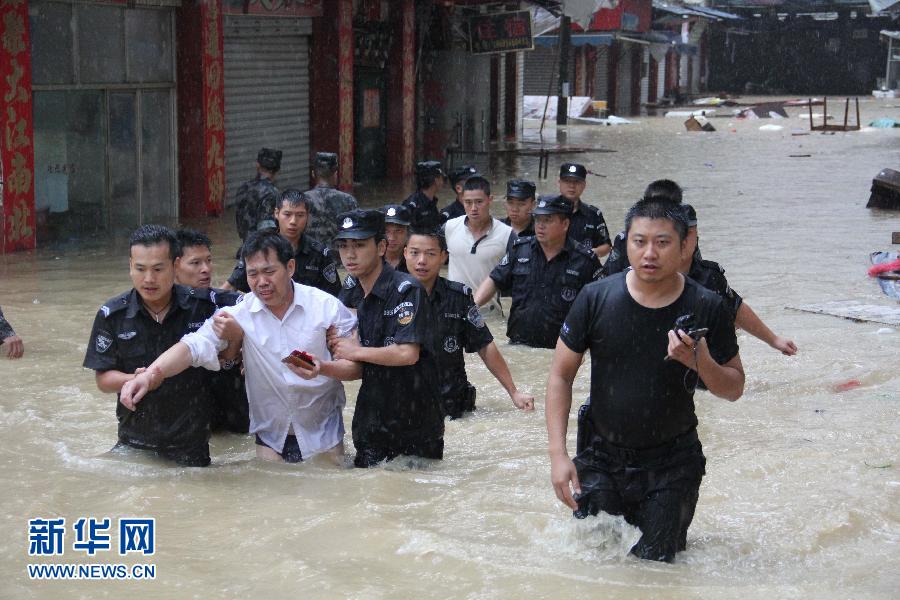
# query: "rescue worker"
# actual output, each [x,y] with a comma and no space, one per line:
[314,262]
[194,269]
[458,177]
[520,199]
[422,203]
[398,408]
[396,233]
[543,274]
[131,330]
[14,345]
[587,226]
[257,197]
[326,202]
[460,328]
[651,333]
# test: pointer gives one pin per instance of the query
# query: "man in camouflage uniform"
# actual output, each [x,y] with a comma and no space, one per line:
[326,202]
[256,198]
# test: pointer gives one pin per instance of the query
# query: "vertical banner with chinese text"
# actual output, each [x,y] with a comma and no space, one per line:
[17,143]
[409,87]
[345,94]
[213,106]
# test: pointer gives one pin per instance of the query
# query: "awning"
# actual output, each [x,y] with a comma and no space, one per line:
[700,12]
[577,39]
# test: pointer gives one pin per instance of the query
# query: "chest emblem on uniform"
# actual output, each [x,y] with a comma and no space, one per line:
[524,259]
[475,317]
[127,335]
[450,344]
[102,343]
[573,272]
[330,273]
[348,223]
[568,294]
[196,325]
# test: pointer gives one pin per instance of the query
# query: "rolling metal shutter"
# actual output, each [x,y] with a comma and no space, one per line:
[601,83]
[645,79]
[541,69]
[623,80]
[266,98]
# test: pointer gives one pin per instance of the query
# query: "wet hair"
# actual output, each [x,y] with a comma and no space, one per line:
[151,235]
[436,234]
[294,198]
[663,190]
[191,238]
[478,183]
[265,240]
[656,209]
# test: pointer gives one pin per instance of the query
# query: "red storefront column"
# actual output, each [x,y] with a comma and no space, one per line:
[402,91]
[201,109]
[345,94]
[17,142]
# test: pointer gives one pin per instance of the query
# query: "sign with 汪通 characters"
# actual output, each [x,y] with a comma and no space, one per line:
[500,32]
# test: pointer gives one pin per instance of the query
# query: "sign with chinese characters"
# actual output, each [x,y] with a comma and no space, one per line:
[500,32]
[273,8]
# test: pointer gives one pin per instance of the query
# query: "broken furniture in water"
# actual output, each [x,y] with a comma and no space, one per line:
[825,126]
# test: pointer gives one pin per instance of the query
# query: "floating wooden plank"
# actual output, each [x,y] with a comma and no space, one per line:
[855,311]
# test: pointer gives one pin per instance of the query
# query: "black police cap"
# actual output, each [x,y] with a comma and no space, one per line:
[520,188]
[397,214]
[269,159]
[327,160]
[359,224]
[553,205]
[462,173]
[572,170]
[690,214]
[429,167]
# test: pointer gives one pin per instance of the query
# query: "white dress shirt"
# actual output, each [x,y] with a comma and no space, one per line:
[466,266]
[279,399]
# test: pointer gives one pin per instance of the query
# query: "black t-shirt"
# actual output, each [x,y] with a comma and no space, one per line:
[542,291]
[460,327]
[315,267]
[396,406]
[423,211]
[587,226]
[125,337]
[638,399]
[453,210]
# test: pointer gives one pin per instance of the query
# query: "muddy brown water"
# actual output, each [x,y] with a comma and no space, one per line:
[802,492]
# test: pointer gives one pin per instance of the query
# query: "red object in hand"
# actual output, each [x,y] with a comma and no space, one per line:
[298,358]
[876,270]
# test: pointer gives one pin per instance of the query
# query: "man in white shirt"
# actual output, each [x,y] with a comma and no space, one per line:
[477,241]
[295,411]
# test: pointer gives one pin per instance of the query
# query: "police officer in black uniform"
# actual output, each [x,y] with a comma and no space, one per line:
[396,227]
[422,203]
[257,197]
[315,262]
[460,327]
[131,330]
[543,274]
[520,198]
[458,177]
[14,346]
[398,410]
[587,225]
[193,269]
[326,202]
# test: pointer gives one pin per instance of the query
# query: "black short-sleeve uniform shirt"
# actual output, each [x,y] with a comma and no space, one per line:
[453,210]
[542,291]
[173,419]
[460,327]
[587,226]
[396,406]
[315,267]
[423,210]
[230,408]
[638,399]
[711,275]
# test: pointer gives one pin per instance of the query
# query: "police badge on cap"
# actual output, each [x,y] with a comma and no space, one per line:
[553,205]
[397,214]
[269,159]
[520,188]
[572,171]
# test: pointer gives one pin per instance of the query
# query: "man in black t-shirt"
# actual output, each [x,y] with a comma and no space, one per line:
[641,457]
[398,409]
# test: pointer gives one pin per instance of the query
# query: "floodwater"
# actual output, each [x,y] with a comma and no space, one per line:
[802,493]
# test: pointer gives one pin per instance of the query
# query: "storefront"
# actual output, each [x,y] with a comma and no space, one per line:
[103,107]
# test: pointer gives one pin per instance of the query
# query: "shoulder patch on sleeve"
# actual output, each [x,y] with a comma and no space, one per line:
[330,273]
[505,260]
[475,317]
